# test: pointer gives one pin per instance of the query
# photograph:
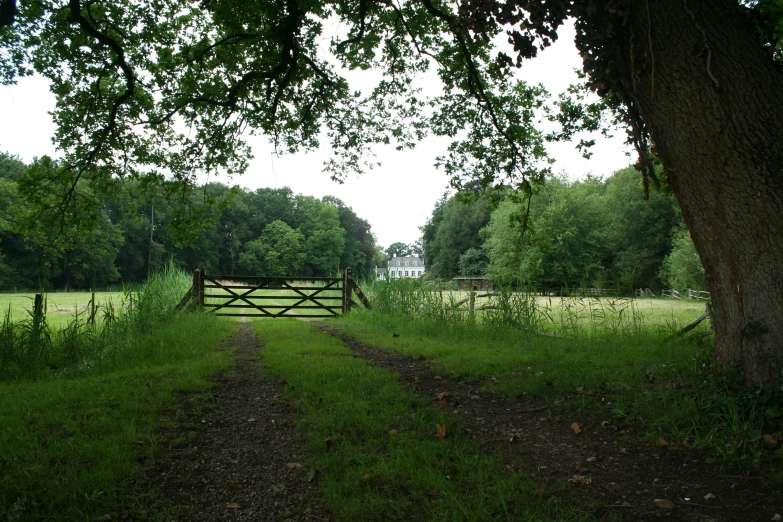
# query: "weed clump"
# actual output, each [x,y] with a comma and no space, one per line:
[99,337]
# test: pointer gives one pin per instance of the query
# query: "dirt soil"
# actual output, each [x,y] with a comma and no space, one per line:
[619,474]
[239,456]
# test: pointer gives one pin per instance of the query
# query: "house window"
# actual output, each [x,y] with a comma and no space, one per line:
[406,273]
[419,273]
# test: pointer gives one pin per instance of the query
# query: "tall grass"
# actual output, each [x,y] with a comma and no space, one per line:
[429,302]
[30,346]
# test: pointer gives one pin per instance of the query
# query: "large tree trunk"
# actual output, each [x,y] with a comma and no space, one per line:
[711,98]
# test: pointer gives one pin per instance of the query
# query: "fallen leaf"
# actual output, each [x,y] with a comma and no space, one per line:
[663,503]
[442,404]
[770,441]
[578,467]
[661,442]
[576,429]
[438,378]
[494,379]
[604,424]
[251,419]
[709,496]
[233,505]
[623,432]
[558,403]
[581,480]
[443,395]
[592,459]
[293,465]
[329,444]
[366,478]
[394,432]
[440,431]
[624,451]
[543,419]
[452,372]
[580,389]
[421,357]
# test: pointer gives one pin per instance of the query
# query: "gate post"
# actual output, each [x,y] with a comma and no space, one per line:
[201,288]
[197,288]
[346,290]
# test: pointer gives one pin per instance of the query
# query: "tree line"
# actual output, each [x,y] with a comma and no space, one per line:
[263,232]
[589,233]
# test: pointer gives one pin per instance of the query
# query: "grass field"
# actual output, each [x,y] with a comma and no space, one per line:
[61,306]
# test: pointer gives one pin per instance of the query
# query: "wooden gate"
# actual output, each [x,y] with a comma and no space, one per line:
[268,296]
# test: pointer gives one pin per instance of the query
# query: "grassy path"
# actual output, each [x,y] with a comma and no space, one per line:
[379,449]
[238,454]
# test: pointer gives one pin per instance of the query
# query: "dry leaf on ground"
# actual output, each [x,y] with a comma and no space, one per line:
[440,431]
[661,442]
[576,428]
[663,503]
[233,505]
[580,480]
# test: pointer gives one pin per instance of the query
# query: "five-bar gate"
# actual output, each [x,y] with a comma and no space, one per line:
[269,296]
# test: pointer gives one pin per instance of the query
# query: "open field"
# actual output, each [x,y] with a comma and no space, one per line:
[526,311]
[61,307]
[651,312]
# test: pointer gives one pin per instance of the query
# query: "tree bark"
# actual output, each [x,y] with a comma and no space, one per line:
[711,98]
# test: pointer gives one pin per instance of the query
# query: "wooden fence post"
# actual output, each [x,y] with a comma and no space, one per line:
[92,309]
[38,307]
[346,290]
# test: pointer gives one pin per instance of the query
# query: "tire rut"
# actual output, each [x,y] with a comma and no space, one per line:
[615,471]
[238,457]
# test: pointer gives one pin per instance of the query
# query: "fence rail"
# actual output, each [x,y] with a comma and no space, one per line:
[674,294]
[270,296]
[698,294]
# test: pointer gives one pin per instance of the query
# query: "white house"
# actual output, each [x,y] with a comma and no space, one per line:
[402,268]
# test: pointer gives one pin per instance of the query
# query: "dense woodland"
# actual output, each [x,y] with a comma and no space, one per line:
[590,233]
[595,232]
[267,231]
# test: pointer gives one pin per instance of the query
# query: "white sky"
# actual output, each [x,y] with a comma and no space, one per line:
[396,198]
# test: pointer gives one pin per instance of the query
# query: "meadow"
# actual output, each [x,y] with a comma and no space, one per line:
[61,307]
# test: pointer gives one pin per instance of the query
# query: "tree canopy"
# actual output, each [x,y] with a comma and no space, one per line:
[167,89]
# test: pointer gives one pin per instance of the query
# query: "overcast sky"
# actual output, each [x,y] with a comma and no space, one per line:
[396,198]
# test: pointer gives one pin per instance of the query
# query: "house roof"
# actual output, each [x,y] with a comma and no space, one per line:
[400,261]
